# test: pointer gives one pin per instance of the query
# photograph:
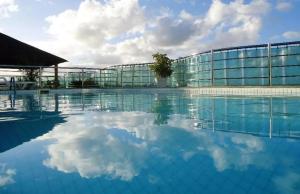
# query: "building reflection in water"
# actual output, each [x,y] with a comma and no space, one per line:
[272,117]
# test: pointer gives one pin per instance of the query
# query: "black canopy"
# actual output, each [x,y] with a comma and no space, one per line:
[15,52]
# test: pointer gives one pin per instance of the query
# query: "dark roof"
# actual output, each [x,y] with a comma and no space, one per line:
[15,52]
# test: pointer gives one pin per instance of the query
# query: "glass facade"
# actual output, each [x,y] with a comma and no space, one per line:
[255,65]
[260,65]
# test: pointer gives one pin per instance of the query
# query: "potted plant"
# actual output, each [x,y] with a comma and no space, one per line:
[162,68]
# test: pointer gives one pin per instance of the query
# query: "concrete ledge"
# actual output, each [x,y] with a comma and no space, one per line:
[216,91]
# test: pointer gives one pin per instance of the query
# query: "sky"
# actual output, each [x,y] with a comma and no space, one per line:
[101,33]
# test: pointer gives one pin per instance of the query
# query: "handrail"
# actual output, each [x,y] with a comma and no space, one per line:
[5,84]
[12,84]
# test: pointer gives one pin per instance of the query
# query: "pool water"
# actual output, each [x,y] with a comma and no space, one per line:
[136,143]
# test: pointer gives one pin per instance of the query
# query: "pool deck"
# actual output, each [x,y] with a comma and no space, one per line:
[215,91]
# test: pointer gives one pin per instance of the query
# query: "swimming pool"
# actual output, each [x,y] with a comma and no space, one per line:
[139,142]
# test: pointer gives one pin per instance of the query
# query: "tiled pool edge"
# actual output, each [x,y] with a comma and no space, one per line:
[257,91]
[215,91]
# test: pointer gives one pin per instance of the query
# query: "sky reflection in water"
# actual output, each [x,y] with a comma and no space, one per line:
[149,143]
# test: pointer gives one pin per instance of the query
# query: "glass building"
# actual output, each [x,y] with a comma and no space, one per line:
[275,64]
[255,65]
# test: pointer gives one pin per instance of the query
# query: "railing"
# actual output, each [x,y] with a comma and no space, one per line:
[75,77]
[255,65]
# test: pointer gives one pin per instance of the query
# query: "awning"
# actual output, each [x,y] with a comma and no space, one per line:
[16,53]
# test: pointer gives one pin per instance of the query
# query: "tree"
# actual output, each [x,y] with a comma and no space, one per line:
[162,65]
[30,74]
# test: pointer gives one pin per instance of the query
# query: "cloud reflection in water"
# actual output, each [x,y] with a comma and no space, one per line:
[6,175]
[117,145]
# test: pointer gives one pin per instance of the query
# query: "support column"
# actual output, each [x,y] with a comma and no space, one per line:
[212,67]
[82,78]
[270,64]
[133,75]
[117,80]
[56,82]
[121,77]
[40,77]
[101,79]
[270,117]
[56,109]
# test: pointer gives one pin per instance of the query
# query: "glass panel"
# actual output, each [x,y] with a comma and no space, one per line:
[232,54]
[278,71]
[292,70]
[256,81]
[234,73]
[219,56]
[293,80]
[262,52]
[255,72]
[220,64]
[277,81]
[294,49]
[219,73]
[219,82]
[251,53]
[234,82]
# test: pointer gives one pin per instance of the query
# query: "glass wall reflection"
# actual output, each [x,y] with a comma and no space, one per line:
[273,117]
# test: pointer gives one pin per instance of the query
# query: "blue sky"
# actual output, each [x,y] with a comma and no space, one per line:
[104,32]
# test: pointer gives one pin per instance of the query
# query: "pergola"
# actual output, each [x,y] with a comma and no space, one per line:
[15,54]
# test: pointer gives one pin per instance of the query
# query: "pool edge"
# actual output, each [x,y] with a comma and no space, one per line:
[213,91]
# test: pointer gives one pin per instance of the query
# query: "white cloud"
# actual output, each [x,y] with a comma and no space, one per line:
[235,23]
[84,35]
[47,1]
[7,7]
[291,35]
[118,31]
[283,5]
[6,175]
[94,22]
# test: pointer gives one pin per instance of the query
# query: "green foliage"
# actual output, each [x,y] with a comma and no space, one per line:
[88,83]
[76,84]
[162,65]
[51,84]
[30,74]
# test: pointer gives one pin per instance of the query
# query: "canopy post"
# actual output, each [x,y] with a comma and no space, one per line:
[56,103]
[56,82]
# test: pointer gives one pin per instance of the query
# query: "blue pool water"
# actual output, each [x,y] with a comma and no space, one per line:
[136,143]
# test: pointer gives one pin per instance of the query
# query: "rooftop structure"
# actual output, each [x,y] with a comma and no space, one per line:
[19,55]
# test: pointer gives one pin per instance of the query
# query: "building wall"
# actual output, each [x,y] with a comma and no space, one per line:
[256,65]
[261,65]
